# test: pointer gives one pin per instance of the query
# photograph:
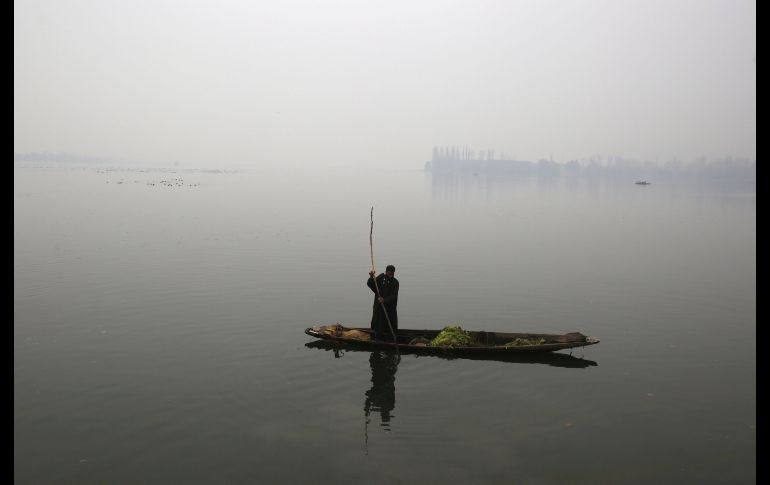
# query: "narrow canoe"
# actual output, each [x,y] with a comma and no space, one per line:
[485,343]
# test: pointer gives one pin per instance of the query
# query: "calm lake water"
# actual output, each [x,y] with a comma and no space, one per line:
[159,318]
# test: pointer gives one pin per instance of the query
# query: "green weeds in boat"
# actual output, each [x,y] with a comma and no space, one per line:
[452,337]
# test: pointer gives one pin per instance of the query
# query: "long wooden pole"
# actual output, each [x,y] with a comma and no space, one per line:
[371,250]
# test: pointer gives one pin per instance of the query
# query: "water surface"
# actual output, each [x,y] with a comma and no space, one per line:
[159,317]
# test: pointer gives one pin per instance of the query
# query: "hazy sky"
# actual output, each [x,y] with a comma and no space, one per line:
[344,82]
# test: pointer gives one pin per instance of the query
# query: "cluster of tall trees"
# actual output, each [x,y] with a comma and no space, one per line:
[456,153]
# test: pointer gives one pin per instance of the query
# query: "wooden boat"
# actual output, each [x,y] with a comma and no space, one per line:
[485,343]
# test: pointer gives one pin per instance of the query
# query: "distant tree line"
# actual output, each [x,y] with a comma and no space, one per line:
[457,153]
[464,159]
[56,158]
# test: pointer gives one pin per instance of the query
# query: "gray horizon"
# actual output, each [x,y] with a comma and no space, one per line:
[342,83]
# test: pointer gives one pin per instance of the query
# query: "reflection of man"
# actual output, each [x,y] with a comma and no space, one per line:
[382,396]
[388,297]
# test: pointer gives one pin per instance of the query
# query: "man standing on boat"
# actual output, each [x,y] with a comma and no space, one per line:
[388,297]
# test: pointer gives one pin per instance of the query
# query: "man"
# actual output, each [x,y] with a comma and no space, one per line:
[388,286]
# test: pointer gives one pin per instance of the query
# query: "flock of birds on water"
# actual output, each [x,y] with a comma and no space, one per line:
[174,182]
[169,182]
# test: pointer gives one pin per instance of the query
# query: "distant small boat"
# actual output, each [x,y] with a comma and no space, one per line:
[642,182]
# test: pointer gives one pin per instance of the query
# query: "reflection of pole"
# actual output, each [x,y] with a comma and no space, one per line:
[377,289]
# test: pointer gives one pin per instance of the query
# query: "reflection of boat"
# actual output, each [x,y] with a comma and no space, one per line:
[484,343]
[555,359]
[642,182]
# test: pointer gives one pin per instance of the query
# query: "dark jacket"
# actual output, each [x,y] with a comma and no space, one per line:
[389,291]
